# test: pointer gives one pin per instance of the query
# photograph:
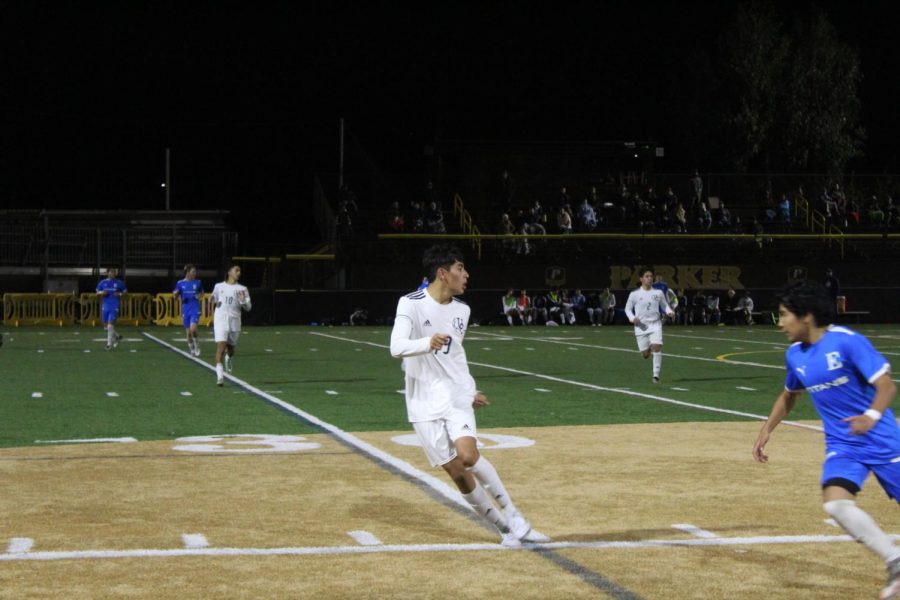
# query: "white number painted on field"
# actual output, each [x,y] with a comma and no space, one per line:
[500,442]
[227,443]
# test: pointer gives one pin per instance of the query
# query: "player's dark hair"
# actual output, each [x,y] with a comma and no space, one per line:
[645,269]
[809,298]
[188,267]
[440,256]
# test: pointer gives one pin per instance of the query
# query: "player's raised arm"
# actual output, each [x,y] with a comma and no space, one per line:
[781,409]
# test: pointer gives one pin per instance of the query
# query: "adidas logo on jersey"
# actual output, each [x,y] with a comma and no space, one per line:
[427,323]
[466,427]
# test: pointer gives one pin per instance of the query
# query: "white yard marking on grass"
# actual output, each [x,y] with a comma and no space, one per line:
[313,349]
[575,349]
[86,351]
[268,349]
[488,349]
[668,355]
[400,391]
[112,394]
[37,394]
[331,392]
[601,388]
[20,545]
[357,349]
[745,388]
[186,394]
[121,440]
[425,548]
[132,350]
[697,348]
[694,531]
[194,540]
[530,349]
[41,351]
[364,538]
[680,389]
[541,390]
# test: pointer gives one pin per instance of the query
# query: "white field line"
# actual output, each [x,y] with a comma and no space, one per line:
[20,545]
[411,548]
[634,351]
[121,440]
[601,388]
[348,438]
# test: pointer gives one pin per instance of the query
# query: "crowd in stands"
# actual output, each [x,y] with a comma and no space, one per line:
[597,308]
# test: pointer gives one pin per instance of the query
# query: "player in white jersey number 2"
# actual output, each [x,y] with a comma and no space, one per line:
[441,395]
[643,309]
[230,298]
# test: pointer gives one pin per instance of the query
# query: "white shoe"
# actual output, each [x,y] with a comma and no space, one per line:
[521,528]
[892,589]
[509,540]
[197,349]
[118,339]
[220,382]
[228,361]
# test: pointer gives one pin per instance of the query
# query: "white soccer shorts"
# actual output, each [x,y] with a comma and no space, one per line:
[227,330]
[437,437]
[651,336]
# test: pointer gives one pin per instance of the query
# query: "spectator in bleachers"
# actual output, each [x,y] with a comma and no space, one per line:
[554,307]
[563,200]
[874,214]
[731,306]
[563,220]
[587,217]
[539,214]
[784,210]
[415,218]
[680,220]
[840,198]
[607,306]
[827,203]
[534,226]
[697,311]
[704,218]
[768,212]
[567,314]
[523,307]
[579,306]
[854,214]
[697,189]
[723,221]
[434,219]
[670,200]
[395,221]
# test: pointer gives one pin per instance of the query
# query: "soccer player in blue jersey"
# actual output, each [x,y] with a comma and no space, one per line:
[850,385]
[191,291]
[110,291]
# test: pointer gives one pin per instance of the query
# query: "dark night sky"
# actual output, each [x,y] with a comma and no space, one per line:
[249,100]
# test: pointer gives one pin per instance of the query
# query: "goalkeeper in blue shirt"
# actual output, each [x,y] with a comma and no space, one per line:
[110,291]
[849,383]
[190,289]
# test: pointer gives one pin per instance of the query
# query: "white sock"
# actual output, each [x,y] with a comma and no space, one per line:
[657,363]
[110,334]
[860,525]
[482,505]
[220,371]
[487,476]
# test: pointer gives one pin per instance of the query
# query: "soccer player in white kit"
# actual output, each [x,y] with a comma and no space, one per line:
[643,309]
[441,395]
[230,298]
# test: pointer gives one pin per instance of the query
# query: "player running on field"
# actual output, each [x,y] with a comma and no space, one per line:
[230,298]
[850,386]
[441,395]
[191,291]
[110,291]
[644,308]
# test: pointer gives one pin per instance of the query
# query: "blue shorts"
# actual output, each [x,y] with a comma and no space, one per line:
[109,315]
[190,318]
[843,467]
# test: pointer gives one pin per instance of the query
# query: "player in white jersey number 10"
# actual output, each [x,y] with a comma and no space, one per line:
[441,395]
[643,310]
[230,298]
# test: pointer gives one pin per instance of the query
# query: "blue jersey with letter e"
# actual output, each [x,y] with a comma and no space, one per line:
[109,287]
[190,292]
[838,372]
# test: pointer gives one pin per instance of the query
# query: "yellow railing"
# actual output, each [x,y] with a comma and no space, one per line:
[168,310]
[818,223]
[465,223]
[38,309]
[134,309]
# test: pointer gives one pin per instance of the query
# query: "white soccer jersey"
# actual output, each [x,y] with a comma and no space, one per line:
[228,301]
[646,305]
[436,380]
